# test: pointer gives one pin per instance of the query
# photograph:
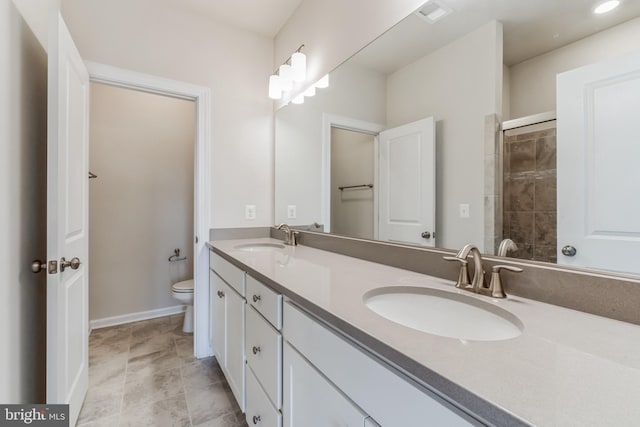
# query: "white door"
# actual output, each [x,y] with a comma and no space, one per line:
[598,173]
[235,332]
[67,221]
[218,313]
[407,184]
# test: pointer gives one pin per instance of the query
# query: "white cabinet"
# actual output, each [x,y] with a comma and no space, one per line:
[371,384]
[264,354]
[227,330]
[313,401]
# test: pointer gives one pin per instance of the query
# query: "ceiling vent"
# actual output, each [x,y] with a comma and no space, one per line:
[432,11]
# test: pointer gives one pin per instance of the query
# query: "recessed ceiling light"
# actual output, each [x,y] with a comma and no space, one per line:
[432,11]
[605,7]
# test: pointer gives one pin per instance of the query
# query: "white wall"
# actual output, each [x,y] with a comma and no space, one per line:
[352,163]
[141,204]
[459,85]
[153,39]
[533,82]
[355,92]
[333,30]
[23,135]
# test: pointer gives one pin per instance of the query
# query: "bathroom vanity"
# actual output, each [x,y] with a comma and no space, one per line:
[321,351]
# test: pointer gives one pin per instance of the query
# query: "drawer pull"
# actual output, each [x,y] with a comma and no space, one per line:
[256,350]
[256,418]
[220,294]
[256,298]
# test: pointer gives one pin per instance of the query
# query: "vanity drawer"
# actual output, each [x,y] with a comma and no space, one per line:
[260,412]
[266,301]
[264,355]
[228,272]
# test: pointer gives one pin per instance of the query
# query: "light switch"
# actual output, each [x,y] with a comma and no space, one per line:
[464,210]
[250,212]
[291,212]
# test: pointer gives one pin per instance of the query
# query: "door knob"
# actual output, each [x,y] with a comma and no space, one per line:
[569,251]
[426,234]
[37,266]
[74,263]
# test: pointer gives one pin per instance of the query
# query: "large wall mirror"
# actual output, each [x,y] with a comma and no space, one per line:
[476,121]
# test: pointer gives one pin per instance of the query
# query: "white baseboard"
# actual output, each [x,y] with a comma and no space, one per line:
[136,317]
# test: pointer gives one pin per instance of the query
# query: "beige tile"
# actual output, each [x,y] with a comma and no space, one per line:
[210,402]
[152,363]
[184,347]
[101,402]
[111,335]
[229,419]
[144,390]
[107,352]
[107,373]
[151,344]
[164,413]
[202,373]
[153,327]
[103,422]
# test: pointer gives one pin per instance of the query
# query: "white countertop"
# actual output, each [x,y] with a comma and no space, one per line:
[567,368]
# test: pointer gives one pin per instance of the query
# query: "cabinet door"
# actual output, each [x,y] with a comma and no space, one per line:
[235,327]
[310,400]
[218,317]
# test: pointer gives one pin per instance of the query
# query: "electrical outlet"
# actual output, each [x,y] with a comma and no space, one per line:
[464,210]
[250,212]
[291,212]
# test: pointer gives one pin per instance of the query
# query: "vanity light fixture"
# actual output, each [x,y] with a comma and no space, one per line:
[294,69]
[606,6]
[323,83]
[311,91]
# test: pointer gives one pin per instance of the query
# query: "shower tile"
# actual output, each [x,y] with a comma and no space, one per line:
[521,194]
[522,157]
[545,254]
[524,251]
[522,227]
[545,228]
[545,193]
[546,153]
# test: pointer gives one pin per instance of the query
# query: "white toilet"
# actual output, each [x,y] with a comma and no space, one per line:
[183,292]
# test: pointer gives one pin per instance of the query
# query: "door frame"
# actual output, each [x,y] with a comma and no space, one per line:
[201,95]
[347,123]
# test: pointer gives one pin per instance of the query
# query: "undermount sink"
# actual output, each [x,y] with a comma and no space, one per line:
[443,313]
[260,247]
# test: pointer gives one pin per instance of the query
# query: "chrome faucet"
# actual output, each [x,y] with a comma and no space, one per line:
[290,236]
[505,246]
[478,284]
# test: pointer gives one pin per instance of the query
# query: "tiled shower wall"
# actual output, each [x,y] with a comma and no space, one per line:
[529,189]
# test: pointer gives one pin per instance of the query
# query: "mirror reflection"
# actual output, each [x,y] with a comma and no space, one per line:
[531,139]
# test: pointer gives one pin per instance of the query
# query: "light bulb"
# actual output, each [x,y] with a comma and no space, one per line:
[298,67]
[606,6]
[274,87]
[285,80]
[323,82]
[311,91]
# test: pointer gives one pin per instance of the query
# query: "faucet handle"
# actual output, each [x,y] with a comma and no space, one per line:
[463,277]
[495,288]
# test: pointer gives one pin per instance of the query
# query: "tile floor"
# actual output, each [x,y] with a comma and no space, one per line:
[144,374]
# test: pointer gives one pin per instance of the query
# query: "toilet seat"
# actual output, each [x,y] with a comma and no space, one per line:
[185,286]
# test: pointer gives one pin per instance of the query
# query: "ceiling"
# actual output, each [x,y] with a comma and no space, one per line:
[531,28]
[264,17]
